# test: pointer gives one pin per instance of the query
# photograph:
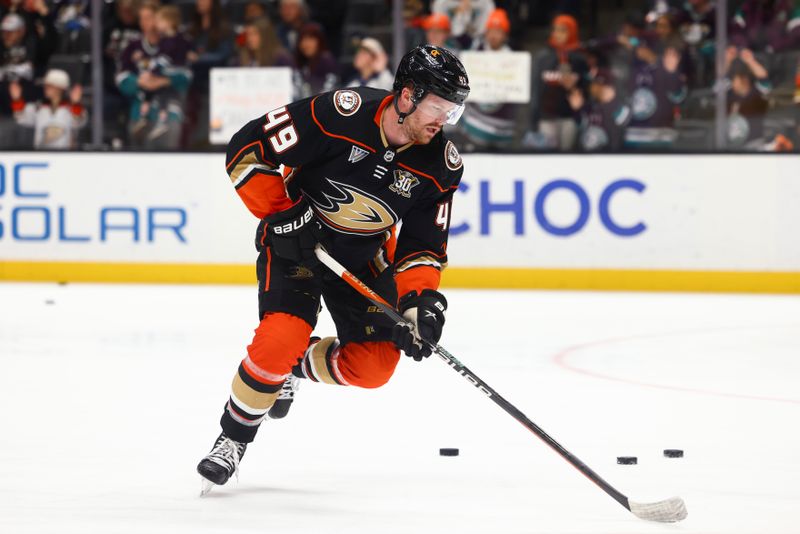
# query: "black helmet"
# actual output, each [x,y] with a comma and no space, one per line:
[433,69]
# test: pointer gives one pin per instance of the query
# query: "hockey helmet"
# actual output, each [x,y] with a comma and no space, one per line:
[433,69]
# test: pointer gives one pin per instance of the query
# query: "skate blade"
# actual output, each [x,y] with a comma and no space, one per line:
[205,486]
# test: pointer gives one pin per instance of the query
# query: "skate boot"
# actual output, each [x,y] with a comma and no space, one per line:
[222,462]
[286,396]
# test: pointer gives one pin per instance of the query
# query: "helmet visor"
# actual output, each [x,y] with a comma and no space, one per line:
[439,109]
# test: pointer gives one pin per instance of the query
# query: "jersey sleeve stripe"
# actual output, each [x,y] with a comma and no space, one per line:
[423,257]
[251,146]
[329,134]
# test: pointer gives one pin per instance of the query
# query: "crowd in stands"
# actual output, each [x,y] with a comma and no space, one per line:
[644,80]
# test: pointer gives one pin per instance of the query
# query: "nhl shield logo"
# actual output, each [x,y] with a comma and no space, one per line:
[404,182]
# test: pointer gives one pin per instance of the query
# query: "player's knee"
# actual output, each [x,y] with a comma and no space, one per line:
[370,364]
[279,341]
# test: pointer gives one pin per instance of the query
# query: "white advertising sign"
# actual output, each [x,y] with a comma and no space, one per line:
[148,208]
[588,212]
[628,212]
[238,95]
[496,77]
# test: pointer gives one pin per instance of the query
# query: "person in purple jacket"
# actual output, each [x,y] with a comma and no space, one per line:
[657,86]
[603,117]
[766,26]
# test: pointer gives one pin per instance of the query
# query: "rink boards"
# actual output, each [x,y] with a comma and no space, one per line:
[705,222]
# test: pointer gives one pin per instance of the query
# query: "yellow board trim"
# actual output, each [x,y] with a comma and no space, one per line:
[494,278]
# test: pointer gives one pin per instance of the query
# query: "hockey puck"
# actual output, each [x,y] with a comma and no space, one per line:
[627,460]
[448,452]
[49,302]
[673,453]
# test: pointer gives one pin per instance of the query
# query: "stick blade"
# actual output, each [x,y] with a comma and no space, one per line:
[668,511]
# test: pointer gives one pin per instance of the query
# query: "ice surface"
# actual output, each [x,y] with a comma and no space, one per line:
[111,394]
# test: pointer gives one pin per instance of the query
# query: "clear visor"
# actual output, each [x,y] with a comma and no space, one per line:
[441,110]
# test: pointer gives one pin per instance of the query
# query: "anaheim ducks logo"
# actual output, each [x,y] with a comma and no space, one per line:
[346,102]
[352,211]
[451,157]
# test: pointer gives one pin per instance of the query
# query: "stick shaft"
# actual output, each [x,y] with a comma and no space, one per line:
[473,379]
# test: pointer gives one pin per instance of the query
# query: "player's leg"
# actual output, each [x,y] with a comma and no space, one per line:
[289,298]
[363,354]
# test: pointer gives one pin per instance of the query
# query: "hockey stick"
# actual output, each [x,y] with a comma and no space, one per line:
[666,511]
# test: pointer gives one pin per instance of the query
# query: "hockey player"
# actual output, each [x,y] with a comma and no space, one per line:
[355,163]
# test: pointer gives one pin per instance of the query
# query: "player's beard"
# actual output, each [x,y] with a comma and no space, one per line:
[421,133]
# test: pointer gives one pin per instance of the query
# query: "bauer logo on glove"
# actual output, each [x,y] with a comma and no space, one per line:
[295,224]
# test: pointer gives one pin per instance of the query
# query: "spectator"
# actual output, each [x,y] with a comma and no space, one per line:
[491,125]
[255,10]
[55,120]
[414,17]
[72,22]
[747,103]
[17,51]
[696,22]
[16,59]
[174,52]
[212,37]
[261,46]
[293,16]
[766,26]
[603,117]
[370,63]
[558,70]
[495,35]
[317,69]
[40,32]
[120,28]
[657,87]
[666,35]
[467,17]
[437,32]
[154,79]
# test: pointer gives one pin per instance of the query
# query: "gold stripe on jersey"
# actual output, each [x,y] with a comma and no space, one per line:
[247,166]
[322,360]
[251,398]
[421,260]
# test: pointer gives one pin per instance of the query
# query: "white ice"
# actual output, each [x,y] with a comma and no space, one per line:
[111,394]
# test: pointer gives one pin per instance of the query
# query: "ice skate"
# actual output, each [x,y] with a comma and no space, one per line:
[285,398]
[290,387]
[222,462]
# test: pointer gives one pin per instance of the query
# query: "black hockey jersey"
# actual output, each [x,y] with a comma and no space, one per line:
[335,154]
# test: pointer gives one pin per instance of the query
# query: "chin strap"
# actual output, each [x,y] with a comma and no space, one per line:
[400,115]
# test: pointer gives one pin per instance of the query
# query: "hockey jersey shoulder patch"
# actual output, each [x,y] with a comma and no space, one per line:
[346,102]
[451,157]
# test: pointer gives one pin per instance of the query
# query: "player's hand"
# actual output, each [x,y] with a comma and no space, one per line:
[294,233]
[426,311]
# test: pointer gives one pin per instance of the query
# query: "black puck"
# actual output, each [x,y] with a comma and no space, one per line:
[448,452]
[627,460]
[673,453]
[49,302]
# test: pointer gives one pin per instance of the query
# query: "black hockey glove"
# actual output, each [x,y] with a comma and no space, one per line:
[426,312]
[294,233]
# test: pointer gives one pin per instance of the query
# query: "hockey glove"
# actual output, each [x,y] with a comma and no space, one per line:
[293,233]
[426,312]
